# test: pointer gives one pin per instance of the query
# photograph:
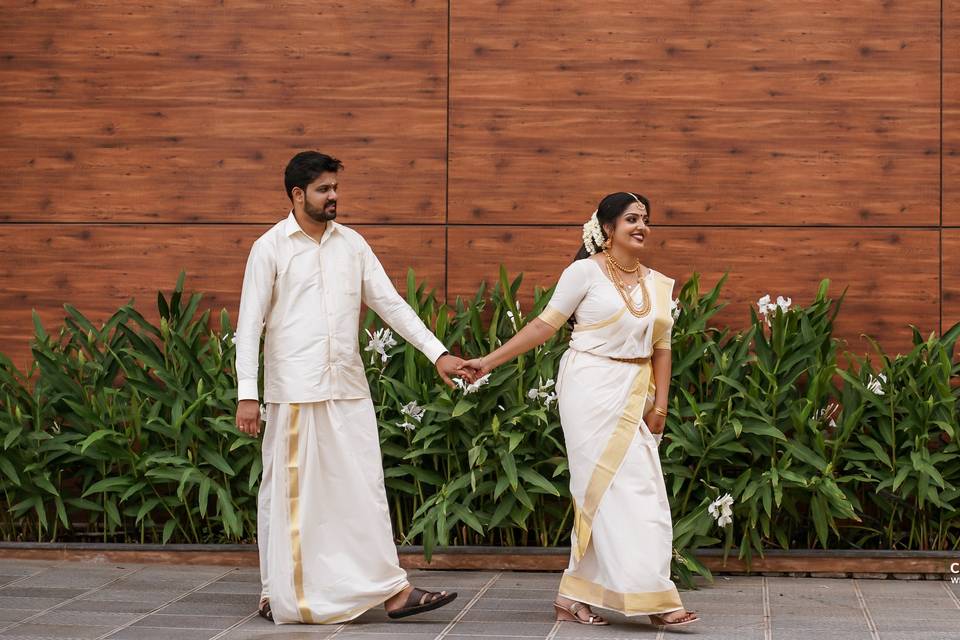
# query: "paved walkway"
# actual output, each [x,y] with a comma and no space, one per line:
[93,601]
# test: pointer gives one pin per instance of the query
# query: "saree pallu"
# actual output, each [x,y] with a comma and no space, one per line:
[622,542]
[327,552]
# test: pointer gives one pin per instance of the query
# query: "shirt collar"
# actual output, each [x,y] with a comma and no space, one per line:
[291,226]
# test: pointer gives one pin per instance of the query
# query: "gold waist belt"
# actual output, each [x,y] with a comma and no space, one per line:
[630,360]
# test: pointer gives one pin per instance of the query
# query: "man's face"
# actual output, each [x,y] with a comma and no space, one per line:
[320,198]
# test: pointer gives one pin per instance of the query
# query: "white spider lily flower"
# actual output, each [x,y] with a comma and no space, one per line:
[876,383]
[675,309]
[549,399]
[767,308]
[379,343]
[228,338]
[413,410]
[721,509]
[542,392]
[407,426]
[828,413]
[510,316]
[471,387]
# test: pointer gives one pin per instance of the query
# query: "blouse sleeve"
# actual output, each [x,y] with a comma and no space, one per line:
[570,290]
[663,323]
[665,341]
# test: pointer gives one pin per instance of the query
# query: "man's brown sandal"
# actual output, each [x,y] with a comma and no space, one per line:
[570,614]
[689,617]
[420,601]
[264,610]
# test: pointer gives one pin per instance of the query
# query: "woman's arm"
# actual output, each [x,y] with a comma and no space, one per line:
[534,334]
[662,369]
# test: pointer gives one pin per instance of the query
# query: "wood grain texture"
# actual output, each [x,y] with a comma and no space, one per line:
[951,278]
[722,112]
[184,112]
[951,114]
[98,268]
[891,276]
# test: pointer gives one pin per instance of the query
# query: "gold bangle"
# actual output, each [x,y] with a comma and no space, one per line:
[660,412]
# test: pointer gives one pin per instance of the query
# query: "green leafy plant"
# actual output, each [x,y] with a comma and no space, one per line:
[125,432]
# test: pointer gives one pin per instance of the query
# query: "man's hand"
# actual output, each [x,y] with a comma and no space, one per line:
[248,417]
[448,365]
[478,367]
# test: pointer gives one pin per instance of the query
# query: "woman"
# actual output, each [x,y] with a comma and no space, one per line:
[613,416]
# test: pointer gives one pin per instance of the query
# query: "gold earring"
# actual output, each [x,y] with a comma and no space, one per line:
[608,243]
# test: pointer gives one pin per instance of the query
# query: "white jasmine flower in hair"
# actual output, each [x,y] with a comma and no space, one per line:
[413,410]
[592,234]
[379,343]
[721,509]
[471,387]
[876,383]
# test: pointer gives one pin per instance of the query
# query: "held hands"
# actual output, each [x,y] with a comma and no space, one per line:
[248,417]
[478,366]
[449,365]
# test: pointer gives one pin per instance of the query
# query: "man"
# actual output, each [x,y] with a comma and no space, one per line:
[326,547]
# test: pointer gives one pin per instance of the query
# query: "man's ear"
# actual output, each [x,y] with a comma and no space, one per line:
[298,194]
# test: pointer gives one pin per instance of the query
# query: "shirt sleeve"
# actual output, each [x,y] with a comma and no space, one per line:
[258,279]
[379,294]
[570,290]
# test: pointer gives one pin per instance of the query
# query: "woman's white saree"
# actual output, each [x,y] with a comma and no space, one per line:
[622,540]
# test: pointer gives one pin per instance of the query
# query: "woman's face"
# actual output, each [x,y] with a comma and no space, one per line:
[632,228]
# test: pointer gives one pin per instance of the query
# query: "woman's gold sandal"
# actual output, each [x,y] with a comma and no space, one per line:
[569,614]
[688,617]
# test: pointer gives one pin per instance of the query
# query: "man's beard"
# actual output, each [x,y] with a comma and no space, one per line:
[320,214]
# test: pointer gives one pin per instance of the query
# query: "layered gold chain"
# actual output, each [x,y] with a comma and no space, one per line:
[613,270]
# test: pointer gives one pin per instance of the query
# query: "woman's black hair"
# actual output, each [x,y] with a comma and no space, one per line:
[610,208]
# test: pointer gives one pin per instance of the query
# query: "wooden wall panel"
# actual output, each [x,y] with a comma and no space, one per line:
[722,112]
[892,275]
[951,115]
[951,277]
[185,112]
[97,268]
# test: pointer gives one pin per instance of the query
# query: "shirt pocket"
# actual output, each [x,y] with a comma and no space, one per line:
[348,278]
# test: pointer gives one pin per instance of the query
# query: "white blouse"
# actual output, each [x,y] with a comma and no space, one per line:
[603,324]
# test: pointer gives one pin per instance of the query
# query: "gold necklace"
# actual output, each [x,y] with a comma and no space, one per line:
[644,308]
[620,266]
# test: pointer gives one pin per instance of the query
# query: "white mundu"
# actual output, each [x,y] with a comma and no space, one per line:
[327,552]
[622,541]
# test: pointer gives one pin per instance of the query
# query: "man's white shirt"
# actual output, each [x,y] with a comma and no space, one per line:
[306,296]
